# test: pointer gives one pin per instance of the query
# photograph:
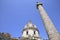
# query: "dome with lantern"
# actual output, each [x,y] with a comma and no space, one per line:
[30,30]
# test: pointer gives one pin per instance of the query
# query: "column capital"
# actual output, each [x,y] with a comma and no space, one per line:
[37,4]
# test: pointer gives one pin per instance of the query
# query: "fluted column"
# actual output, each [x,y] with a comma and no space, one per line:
[49,26]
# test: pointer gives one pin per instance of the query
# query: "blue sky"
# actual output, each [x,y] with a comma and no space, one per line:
[15,14]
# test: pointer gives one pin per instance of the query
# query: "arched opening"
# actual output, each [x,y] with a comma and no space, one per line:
[34,32]
[26,32]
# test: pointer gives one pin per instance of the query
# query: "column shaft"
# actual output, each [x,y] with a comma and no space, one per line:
[50,29]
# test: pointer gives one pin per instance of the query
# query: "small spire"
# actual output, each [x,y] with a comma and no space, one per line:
[30,21]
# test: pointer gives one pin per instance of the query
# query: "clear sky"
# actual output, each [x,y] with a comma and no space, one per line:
[15,14]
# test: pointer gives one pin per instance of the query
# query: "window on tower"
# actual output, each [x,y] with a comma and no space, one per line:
[34,32]
[27,33]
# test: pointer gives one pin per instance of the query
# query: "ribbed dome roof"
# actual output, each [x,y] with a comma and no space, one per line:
[30,25]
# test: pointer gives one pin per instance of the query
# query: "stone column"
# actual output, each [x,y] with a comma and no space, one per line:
[50,29]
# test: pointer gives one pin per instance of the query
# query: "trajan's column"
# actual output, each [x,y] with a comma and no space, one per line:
[49,26]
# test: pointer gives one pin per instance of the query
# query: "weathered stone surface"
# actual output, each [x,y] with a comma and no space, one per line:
[49,26]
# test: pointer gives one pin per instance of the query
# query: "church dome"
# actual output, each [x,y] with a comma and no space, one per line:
[30,30]
[30,25]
